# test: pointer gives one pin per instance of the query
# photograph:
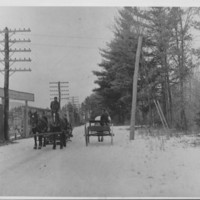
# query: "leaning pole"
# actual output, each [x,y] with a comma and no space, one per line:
[134,93]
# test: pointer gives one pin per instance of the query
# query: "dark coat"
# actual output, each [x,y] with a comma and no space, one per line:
[55,106]
[104,119]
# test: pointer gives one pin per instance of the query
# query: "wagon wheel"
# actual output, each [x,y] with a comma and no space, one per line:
[111,132]
[86,136]
[111,138]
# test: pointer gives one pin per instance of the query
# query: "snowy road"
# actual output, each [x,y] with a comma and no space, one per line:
[126,169]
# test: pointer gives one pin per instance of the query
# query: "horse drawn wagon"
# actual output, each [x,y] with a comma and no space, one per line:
[94,128]
[52,131]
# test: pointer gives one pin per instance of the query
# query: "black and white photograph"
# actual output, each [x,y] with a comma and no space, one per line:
[99,99]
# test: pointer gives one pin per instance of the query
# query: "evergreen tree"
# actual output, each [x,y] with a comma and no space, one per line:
[165,62]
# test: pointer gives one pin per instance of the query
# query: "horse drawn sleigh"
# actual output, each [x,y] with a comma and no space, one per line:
[52,131]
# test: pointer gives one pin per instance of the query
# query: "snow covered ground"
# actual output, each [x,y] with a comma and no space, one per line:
[145,167]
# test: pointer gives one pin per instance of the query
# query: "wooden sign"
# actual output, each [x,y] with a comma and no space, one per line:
[18,95]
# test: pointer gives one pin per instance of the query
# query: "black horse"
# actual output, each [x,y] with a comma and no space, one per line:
[56,127]
[38,125]
[70,130]
[66,129]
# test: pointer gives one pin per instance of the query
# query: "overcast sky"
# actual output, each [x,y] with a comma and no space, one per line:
[65,43]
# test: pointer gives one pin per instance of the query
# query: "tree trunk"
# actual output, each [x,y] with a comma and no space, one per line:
[180,49]
[170,120]
[182,69]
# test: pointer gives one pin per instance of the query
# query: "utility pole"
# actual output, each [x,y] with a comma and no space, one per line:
[6,86]
[134,95]
[75,104]
[140,25]
[75,101]
[59,89]
[7,62]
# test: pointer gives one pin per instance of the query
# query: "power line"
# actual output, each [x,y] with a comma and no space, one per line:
[64,46]
[80,37]
[65,36]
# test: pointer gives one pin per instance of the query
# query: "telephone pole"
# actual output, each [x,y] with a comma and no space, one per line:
[139,27]
[74,100]
[59,89]
[7,62]
[134,95]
